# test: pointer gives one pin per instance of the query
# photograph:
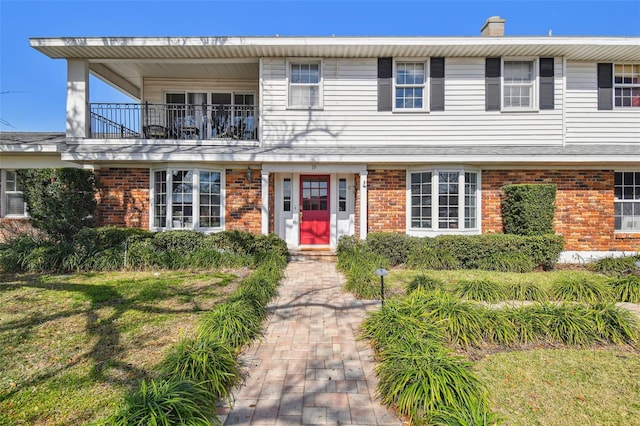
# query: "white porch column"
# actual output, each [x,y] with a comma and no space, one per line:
[77,98]
[265,202]
[363,205]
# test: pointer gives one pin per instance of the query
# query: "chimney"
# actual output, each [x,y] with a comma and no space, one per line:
[493,27]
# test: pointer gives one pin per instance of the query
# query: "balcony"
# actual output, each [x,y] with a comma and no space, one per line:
[173,121]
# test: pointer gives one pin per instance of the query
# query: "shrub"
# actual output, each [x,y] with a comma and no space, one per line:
[61,201]
[526,291]
[359,263]
[208,362]
[424,282]
[423,256]
[626,289]
[528,209]
[615,324]
[579,288]
[167,403]
[392,246]
[617,266]
[481,290]
[421,379]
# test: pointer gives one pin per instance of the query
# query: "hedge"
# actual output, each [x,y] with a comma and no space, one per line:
[528,209]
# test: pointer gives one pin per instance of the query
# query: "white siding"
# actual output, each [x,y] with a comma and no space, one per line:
[350,114]
[584,122]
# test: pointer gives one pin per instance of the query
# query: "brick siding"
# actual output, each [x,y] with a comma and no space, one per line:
[243,201]
[386,199]
[584,206]
[123,197]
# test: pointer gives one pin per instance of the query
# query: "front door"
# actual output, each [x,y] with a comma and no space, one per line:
[314,210]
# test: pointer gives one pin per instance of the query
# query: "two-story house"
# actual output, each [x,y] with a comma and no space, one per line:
[318,137]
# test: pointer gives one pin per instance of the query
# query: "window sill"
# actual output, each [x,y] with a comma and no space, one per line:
[528,111]
[304,108]
[435,232]
[15,217]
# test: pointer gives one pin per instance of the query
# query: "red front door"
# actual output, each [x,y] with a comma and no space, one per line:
[314,208]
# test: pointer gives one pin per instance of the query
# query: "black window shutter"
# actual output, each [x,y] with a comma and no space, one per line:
[437,84]
[605,86]
[492,84]
[385,75]
[546,83]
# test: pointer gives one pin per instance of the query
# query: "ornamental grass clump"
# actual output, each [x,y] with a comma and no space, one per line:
[524,290]
[399,320]
[234,323]
[423,378]
[424,282]
[615,266]
[462,320]
[209,362]
[626,289]
[480,290]
[498,329]
[615,324]
[578,288]
[167,403]
[529,324]
[569,324]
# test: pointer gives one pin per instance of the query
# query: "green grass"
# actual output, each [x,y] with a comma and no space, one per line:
[69,341]
[563,387]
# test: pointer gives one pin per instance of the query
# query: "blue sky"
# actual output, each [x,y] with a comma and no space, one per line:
[32,86]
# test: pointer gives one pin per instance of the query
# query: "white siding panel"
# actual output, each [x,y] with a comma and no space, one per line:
[350,114]
[584,122]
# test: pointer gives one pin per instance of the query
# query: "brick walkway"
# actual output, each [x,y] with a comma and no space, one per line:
[309,368]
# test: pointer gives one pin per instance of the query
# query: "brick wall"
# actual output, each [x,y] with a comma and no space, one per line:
[243,203]
[123,197]
[584,206]
[386,199]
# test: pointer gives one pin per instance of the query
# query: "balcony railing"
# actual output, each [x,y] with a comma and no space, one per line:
[173,121]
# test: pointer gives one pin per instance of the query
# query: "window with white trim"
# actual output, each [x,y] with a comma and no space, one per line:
[443,200]
[13,204]
[186,198]
[626,82]
[518,85]
[627,201]
[410,85]
[305,84]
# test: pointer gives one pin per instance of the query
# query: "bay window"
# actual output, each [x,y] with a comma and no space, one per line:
[442,201]
[627,201]
[186,198]
[13,204]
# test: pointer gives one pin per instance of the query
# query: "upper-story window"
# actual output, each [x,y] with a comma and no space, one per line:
[13,204]
[305,84]
[627,85]
[410,85]
[518,85]
[627,201]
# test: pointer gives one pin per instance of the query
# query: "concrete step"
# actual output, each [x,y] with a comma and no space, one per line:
[318,254]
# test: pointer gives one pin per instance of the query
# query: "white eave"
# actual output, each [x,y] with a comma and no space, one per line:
[174,48]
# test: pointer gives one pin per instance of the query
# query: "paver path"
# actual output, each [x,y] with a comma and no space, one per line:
[309,368]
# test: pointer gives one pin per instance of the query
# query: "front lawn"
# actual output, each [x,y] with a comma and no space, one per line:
[71,346]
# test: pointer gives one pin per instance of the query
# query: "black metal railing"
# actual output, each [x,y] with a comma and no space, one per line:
[174,121]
